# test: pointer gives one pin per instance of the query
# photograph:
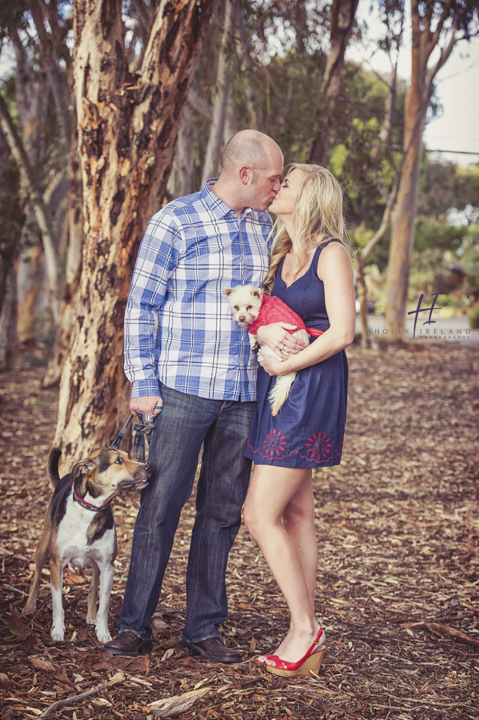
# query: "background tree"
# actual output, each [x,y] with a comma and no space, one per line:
[435,24]
[341,27]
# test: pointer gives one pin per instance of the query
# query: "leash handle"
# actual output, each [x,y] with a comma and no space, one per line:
[142,432]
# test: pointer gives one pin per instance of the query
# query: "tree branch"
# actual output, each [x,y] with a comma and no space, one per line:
[52,70]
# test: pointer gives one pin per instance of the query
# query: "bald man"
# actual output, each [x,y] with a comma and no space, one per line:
[189,361]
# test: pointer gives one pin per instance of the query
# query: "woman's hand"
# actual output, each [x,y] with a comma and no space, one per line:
[272,366]
[279,340]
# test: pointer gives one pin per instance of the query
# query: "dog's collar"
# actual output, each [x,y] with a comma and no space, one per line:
[88,506]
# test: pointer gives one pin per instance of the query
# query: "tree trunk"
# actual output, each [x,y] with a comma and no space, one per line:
[38,206]
[127,129]
[181,180]
[384,138]
[72,273]
[418,97]
[30,271]
[342,22]
[8,320]
[215,140]
[402,235]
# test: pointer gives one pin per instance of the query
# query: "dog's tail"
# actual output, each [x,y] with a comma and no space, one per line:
[280,391]
[53,459]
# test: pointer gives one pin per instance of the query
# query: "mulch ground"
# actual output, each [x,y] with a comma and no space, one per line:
[398,579]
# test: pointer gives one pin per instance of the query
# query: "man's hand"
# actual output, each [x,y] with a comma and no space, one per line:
[146,405]
[278,339]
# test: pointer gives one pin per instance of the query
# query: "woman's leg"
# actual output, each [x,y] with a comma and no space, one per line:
[272,491]
[298,521]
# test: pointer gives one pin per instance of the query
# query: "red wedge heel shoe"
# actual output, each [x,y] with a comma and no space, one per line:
[311,661]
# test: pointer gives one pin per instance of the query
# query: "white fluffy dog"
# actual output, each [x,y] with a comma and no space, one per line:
[251,309]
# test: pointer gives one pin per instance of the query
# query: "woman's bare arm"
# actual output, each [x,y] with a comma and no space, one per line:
[336,271]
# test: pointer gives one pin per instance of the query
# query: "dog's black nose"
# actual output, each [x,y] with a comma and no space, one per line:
[147,468]
[241,318]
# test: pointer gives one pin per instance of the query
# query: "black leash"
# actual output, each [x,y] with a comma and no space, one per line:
[142,432]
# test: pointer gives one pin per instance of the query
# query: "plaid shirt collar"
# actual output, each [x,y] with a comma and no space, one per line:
[219,208]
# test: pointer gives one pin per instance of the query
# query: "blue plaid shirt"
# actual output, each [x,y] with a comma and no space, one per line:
[179,327]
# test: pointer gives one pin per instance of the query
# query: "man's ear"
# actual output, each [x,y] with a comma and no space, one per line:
[228,291]
[246,175]
[84,467]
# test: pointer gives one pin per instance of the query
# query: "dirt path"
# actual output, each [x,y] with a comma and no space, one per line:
[398,532]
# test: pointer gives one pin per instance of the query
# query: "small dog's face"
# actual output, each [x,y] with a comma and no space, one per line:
[245,302]
[109,471]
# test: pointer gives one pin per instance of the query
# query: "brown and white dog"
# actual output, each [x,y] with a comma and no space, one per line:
[79,528]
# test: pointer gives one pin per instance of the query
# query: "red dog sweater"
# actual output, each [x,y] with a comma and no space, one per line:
[273,309]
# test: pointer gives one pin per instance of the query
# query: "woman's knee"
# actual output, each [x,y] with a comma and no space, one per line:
[250,519]
[298,514]
[257,524]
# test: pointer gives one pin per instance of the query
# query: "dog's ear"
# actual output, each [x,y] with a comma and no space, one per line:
[84,467]
[228,291]
[257,293]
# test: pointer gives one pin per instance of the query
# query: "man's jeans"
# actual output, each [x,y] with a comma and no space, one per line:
[185,423]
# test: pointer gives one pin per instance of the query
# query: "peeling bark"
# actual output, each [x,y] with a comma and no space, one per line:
[127,128]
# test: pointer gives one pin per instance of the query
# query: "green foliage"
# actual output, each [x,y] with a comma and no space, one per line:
[470,260]
[432,234]
[474,318]
[445,186]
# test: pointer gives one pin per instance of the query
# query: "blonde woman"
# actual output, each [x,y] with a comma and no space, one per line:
[311,271]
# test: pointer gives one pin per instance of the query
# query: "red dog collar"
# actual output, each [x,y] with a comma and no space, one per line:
[88,506]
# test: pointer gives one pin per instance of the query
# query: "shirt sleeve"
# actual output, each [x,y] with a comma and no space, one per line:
[157,259]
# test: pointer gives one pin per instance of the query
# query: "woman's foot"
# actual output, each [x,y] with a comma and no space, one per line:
[280,649]
[309,660]
[295,645]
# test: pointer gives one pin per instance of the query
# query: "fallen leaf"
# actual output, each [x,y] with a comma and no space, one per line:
[41,664]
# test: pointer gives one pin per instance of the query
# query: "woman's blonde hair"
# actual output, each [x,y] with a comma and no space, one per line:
[318,212]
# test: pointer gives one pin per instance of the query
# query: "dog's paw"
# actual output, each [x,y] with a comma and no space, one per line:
[57,634]
[103,635]
[29,609]
[90,620]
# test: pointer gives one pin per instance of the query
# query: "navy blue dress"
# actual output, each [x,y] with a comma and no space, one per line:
[309,429]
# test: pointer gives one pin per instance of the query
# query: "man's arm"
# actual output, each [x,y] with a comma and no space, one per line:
[157,259]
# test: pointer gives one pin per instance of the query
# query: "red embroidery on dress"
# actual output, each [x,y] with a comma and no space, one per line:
[266,452]
[274,443]
[319,445]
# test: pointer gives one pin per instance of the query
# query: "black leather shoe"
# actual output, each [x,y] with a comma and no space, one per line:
[127,644]
[213,649]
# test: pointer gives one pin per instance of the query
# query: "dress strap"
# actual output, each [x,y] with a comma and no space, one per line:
[314,264]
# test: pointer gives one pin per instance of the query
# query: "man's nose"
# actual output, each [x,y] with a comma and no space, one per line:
[277,186]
